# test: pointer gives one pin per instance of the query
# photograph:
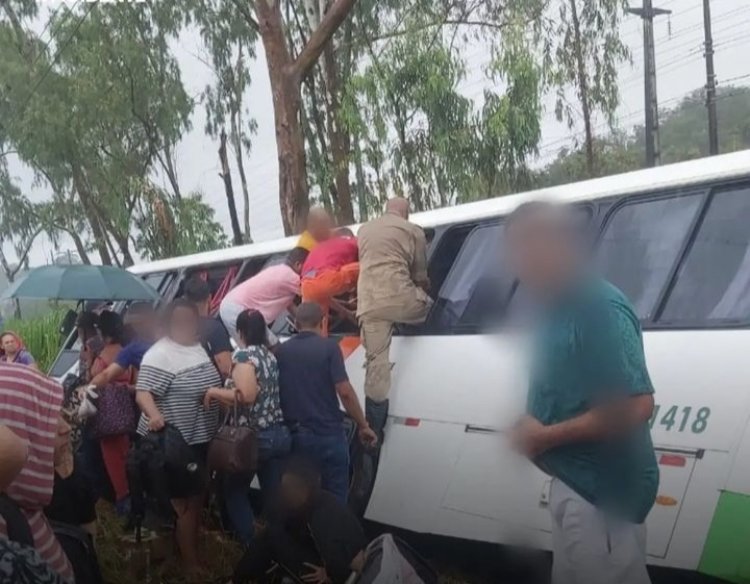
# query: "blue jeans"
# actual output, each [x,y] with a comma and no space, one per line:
[331,453]
[274,444]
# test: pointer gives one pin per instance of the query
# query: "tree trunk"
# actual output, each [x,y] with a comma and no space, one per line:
[583,90]
[80,248]
[361,187]
[285,89]
[96,228]
[237,141]
[171,173]
[229,189]
[337,140]
[285,76]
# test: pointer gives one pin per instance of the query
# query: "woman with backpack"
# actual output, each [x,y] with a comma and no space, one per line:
[175,374]
[255,377]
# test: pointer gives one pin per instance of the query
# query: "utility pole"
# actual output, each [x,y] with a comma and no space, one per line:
[647,13]
[713,126]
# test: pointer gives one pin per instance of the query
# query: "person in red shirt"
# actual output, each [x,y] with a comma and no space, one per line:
[331,269]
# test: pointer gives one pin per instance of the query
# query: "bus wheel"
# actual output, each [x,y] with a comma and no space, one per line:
[363,468]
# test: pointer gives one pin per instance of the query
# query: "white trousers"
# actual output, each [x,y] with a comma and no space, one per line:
[229,311]
[590,547]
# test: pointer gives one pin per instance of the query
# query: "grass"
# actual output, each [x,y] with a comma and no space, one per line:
[157,562]
[40,335]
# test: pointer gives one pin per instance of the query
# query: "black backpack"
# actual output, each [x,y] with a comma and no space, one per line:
[16,525]
[75,542]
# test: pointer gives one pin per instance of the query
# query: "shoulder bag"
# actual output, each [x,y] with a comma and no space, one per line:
[234,449]
[117,412]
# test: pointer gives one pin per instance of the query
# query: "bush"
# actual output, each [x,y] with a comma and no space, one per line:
[41,335]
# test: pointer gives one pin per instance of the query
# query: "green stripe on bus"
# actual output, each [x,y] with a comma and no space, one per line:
[725,554]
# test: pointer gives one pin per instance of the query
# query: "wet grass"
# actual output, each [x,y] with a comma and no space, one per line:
[156,561]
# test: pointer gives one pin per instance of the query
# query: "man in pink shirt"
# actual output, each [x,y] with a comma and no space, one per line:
[270,292]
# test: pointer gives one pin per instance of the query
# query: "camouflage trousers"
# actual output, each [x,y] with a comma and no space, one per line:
[376,328]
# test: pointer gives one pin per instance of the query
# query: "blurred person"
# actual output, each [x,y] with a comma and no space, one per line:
[12,350]
[391,289]
[319,227]
[87,328]
[176,372]
[331,270]
[30,424]
[312,379]
[270,292]
[214,335]
[312,536]
[114,448]
[255,374]
[141,325]
[589,403]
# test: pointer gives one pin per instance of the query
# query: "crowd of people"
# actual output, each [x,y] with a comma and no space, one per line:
[589,401]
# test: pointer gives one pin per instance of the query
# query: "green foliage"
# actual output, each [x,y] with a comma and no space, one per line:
[683,136]
[169,227]
[39,334]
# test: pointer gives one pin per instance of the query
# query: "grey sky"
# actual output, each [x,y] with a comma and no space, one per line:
[680,69]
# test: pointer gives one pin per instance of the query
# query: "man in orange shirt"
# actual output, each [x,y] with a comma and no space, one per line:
[318,228]
[331,269]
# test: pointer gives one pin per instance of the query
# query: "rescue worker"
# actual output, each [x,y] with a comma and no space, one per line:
[319,227]
[392,289]
[329,271]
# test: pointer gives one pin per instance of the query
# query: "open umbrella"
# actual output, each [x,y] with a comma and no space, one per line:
[80,282]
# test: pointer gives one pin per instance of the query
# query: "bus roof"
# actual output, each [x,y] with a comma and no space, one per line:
[674,175]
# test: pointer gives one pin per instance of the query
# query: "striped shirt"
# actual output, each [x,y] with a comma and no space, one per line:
[30,406]
[178,377]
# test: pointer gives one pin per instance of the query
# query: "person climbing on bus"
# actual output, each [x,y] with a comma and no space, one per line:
[319,227]
[331,270]
[391,289]
[589,403]
[271,291]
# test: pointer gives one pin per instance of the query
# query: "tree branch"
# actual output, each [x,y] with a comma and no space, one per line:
[24,253]
[240,5]
[329,23]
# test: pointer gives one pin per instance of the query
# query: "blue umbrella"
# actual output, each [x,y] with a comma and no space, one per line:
[81,282]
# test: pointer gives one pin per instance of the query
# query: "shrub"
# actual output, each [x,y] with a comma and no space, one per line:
[40,334]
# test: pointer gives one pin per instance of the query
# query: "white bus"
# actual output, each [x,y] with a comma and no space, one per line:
[676,240]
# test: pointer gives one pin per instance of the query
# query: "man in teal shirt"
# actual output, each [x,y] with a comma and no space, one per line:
[589,403]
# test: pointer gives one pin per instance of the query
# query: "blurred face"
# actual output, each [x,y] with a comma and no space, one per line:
[9,344]
[143,325]
[183,326]
[320,225]
[542,254]
[294,492]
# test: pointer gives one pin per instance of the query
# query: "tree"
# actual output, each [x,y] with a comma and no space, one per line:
[82,112]
[286,74]
[231,43]
[169,227]
[683,136]
[18,224]
[584,52]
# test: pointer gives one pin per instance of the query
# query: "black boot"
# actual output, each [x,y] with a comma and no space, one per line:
[377,415]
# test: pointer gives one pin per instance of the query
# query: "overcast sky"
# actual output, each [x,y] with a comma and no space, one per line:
[680,69]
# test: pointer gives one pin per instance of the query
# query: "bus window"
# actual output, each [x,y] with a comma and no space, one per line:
[713,283]
[640,244]
[444,256]
[155,280]
[477,288]
[220,279]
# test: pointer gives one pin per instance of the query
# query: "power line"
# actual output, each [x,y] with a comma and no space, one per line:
[51,36]
[53,62]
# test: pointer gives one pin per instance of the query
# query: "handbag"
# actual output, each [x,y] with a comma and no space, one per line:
[117,412]
[234,449]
